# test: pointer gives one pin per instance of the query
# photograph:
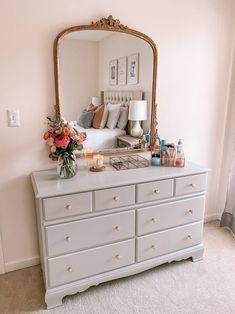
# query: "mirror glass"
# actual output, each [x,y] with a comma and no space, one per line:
[104,78]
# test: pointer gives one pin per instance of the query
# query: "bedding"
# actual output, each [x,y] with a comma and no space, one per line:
[101,139]
[114,114]
[91,107]
[85,120]
[123,118]
[100,117]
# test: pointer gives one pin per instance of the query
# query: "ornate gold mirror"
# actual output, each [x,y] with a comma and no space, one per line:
[105,82]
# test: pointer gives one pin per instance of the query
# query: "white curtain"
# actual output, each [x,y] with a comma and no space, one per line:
[228,217]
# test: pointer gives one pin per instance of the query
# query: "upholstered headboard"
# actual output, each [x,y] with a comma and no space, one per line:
[120,97]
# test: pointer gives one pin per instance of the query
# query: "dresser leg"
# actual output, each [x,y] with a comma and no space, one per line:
[197,256]
[53,300]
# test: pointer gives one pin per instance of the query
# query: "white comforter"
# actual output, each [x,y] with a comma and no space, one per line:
[101,139]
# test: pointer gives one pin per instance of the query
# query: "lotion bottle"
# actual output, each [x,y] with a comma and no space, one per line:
[180,159]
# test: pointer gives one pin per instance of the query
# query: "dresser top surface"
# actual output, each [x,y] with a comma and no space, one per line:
[46,183]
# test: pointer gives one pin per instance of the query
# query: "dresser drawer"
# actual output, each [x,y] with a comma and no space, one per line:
[77,235]
[155,218]
[155,190]
[164,242]
[76,266]
[190,184]
[68,205]
[115,197]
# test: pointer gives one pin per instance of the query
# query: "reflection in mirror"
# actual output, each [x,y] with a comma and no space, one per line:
[100,73]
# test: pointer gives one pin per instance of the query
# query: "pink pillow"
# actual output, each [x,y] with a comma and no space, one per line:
[100,117]
[91,107]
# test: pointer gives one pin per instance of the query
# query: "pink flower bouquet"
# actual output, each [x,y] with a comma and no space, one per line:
[64,139]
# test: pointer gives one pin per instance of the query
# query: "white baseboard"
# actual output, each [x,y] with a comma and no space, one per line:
[24,263]
[213,217]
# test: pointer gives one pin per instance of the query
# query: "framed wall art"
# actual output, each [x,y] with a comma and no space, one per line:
[113,72]
[133,69]
[122,71]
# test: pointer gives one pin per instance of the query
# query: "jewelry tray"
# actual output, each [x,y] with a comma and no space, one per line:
[128,162]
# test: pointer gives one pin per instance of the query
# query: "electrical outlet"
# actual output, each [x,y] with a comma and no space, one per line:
[13,117]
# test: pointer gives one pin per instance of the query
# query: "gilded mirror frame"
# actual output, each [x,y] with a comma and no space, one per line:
[108,24]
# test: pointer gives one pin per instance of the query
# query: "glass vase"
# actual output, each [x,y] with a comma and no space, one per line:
[66,165]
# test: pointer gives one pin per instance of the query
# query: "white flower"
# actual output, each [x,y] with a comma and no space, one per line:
[53,149]
[63,119]
[71,125]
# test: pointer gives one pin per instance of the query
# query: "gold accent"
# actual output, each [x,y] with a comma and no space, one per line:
[93,169]
[108,24]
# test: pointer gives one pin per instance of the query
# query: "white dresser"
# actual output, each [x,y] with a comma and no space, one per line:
[101,226]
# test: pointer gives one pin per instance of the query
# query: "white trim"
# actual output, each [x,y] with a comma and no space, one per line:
[23,263]
[54,296]
[2,268]
[213,217]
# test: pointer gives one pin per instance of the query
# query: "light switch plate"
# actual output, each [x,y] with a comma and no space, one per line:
[13,117]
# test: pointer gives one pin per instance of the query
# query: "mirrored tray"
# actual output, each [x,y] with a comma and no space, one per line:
[129,162]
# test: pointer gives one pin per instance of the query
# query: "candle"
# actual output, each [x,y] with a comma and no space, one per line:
[98,161]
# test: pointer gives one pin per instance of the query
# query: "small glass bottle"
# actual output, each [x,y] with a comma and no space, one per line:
[163,153]
[156,160]
[180,159]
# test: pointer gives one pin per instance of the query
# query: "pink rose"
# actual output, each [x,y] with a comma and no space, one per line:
[46,135]
[82,137]
[62,141]
[50,141]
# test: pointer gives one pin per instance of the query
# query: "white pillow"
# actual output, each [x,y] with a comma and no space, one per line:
[113,106]
[113,117]
[123,118]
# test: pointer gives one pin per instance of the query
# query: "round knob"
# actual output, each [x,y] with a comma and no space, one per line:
[118,256]
[69,207]
[69,269]
[153,247]
[189,237]
[157,191]
[193,185]
[116,198]
[154,219]
[190,211]
[118,228]
[68,238]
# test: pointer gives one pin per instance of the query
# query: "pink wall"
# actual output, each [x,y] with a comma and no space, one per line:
[194,39]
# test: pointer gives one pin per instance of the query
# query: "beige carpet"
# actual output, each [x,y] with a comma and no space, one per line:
[207,286]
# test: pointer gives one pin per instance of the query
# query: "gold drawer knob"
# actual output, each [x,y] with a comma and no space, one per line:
[118,228]
[116,198]
[154,219]
[68,207]
[193,185]
[118,256]
[157,191]
[68,238]
[153,246]
[69,269]
[189,237]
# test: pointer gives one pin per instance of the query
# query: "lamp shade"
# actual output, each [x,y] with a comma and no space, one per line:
[138,110]
[95,101]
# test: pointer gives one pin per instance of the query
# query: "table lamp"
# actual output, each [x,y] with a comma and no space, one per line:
[137,113]
[95,101]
